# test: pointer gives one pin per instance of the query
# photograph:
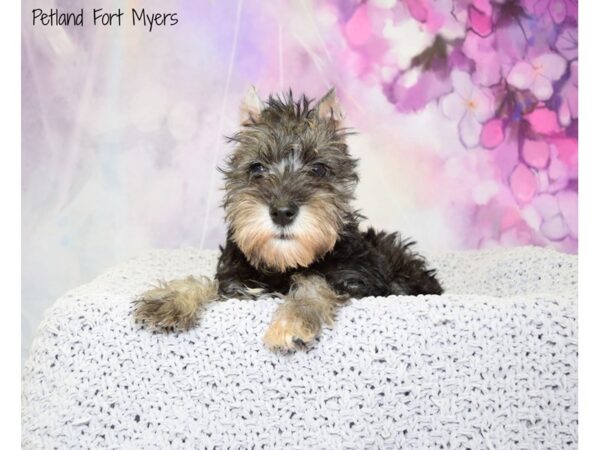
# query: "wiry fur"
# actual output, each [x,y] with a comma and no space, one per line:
[310,303]
[289,136]
[252,232]
[294,152]
[176,303]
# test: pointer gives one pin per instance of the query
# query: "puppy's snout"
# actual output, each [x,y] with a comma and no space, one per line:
[283,213]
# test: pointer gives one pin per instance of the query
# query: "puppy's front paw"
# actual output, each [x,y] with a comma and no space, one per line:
[292,329]
[173,304]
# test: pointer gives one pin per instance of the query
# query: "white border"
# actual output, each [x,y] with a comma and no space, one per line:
[589,225]
[589,211]
[10,240]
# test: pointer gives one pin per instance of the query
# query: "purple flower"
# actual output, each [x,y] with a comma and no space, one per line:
[567,42]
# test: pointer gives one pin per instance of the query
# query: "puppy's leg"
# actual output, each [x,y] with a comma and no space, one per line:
[175,303]
[309,304]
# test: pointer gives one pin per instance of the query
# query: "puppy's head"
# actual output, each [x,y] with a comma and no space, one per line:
[289,181]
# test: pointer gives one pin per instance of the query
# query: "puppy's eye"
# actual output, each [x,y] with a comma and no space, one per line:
[257,169]
[320,170]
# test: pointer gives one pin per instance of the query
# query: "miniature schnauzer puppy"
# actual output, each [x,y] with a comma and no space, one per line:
[292,231]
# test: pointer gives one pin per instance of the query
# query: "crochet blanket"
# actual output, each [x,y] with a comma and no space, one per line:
[492,363]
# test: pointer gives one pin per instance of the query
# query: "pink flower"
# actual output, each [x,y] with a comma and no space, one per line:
[546,205]
[358,28]
[469,104]
[538,75]
[485,56]
[557,9]
[523,183]
[440,17]
[418,9]
[543,121]
[569,108]
[481,22]
[536,153]
[415,89]
[555,228]
[511,43]
[492,134]
[567,201]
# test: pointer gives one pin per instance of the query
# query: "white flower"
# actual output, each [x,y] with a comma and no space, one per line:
[469,104]
[538,75]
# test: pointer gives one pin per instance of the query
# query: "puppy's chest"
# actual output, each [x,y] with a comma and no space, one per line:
[356,270]
[344,275]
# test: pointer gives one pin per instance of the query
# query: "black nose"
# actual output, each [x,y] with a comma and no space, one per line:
[283,213]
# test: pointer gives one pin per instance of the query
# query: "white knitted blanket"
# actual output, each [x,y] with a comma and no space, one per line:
[490,364]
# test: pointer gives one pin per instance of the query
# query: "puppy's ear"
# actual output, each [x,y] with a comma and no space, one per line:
[251,106]
[329,107]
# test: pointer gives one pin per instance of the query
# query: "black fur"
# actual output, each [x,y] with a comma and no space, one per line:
[361,264]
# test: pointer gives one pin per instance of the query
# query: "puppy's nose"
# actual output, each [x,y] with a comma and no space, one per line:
[283,213]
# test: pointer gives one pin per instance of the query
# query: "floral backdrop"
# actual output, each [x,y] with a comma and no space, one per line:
[466,113]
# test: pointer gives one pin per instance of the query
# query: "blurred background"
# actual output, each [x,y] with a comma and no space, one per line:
[466,113]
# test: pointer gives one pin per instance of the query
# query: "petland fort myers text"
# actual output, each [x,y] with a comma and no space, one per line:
[101,17]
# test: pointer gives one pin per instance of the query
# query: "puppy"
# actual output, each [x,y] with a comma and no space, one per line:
[292,230]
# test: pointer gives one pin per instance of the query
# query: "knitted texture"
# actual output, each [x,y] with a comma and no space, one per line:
[492,363]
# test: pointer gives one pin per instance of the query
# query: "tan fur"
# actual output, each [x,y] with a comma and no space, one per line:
[254,236]
[329,107]
[175,303]
[299,319]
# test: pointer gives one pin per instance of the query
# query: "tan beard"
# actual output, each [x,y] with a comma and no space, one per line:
[313,233]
